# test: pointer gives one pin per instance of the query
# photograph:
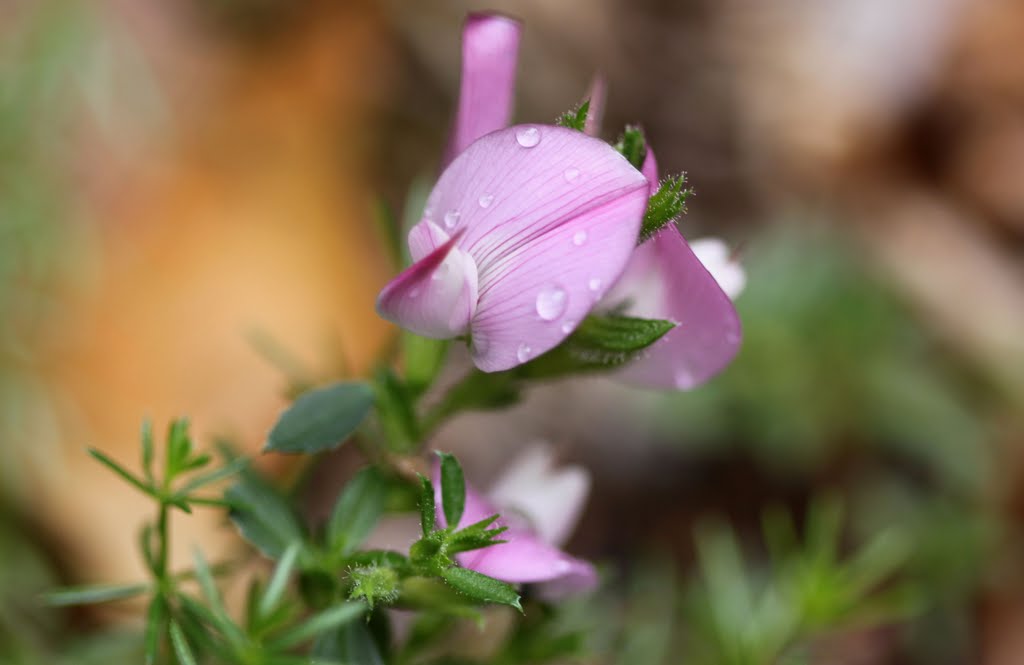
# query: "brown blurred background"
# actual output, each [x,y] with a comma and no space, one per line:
[186,202]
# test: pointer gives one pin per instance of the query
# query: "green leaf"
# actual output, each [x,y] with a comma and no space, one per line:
[395,410]
[121,471]
[279,580]
[476,391]
[632,146]
[179,447]
[318,624]
[352,643]
[576,118]
[601,342]
[147,449]
[481,587]
[356,511]
[664,206]
[181,647]
[321,419]
[422,359]
[99,593]
[453,489]
[263,516]
[427,514]
[236,465]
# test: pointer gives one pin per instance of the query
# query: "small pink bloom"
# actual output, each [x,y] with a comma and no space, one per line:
[540,507]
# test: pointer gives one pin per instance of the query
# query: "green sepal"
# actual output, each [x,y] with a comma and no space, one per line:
[601,342]
[575,118]
[321,419]
[481,587]
[632,146]
[374,584]
[453,489]
[664,206]
[422,359]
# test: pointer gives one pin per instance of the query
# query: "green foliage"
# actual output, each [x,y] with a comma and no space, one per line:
[576,118]
[422,359]
[263,516]
[453,488]
[396,412]
[632,146]
[356,511]
[321,419]
[665,206]
[744,618]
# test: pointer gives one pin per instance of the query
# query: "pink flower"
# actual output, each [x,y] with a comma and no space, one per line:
[529,226]
[540,506]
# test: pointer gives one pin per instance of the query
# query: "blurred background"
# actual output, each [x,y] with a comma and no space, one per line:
[187,192]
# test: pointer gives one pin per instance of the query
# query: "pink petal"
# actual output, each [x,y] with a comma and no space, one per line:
[490,48]
[434,297]
[524,557]
[550,217]
[424,238]
[665,280]
[595,114]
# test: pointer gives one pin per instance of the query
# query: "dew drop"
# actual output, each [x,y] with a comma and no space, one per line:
[594,284]
[571,174]
[579,237]
[568,327]
[451,218]
[683,379]
[551,302]
[527,136]
[486,200]
[523,352]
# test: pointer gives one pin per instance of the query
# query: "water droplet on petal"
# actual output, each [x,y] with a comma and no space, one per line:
[579,237]
[571,174]
[568,327]
[527,136]
[551,302]
[594,284]
[684,379]
[523,352]
[451,218]
[486,200]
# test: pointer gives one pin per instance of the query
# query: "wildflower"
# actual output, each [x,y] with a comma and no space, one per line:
[540,506]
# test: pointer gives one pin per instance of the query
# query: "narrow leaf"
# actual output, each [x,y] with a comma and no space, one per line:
[121,471]
[481,587]
[357,510]
[181,647]
[321,419]
[279,580]
[236,465]
[427,515]
[319,623]
[87,595]
[453,489]
[352,643]
[147,449]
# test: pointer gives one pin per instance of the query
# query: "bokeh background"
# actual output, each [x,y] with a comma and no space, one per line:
[187,194]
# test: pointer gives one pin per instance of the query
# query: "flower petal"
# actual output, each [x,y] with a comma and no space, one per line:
[550,217]
[551,499]
[434,297]
[669,282]
[523,559]
[490,50]
[714,254]
[424,238]
[665,280]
